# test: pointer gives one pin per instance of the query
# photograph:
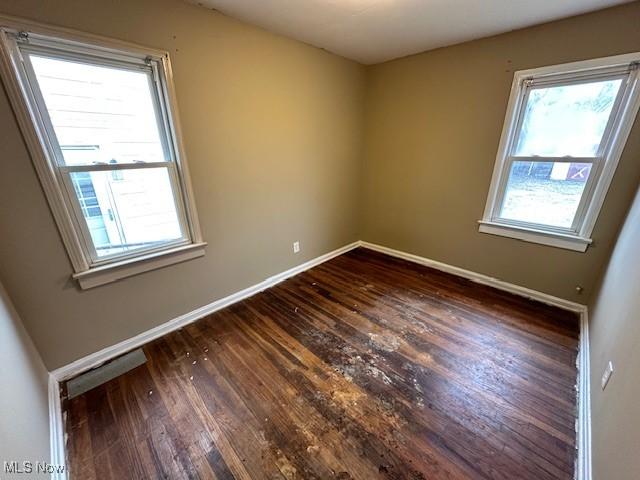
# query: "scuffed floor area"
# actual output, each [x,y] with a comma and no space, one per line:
[364,367]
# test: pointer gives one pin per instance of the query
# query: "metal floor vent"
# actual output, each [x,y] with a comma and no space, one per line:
[93,378]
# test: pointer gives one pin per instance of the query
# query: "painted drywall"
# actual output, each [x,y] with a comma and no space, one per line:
[273,135]
[615,335]
[433,124]
[24,407]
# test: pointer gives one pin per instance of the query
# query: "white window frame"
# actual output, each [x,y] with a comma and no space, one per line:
[578,236]
[18,77]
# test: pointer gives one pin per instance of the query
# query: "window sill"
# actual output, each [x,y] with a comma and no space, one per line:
[559,240]
[97,276]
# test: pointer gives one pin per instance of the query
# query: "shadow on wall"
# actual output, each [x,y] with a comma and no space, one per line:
[24,409]
[615,335]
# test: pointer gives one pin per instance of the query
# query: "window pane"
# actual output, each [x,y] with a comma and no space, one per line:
[100,114]
[127,209]
[546,193]
[566,120]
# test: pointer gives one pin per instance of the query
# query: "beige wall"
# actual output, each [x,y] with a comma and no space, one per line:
[615,335]
[433,124]
[24,413]
[273,133]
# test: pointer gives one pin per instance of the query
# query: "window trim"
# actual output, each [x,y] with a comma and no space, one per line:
[88,272]
[604,163]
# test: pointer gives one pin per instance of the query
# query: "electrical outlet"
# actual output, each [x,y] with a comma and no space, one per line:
[607,375]
[296,247]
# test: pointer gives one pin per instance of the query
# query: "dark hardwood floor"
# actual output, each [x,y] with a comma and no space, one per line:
[364,367]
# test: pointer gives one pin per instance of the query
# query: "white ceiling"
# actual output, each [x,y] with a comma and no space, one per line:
[373,31]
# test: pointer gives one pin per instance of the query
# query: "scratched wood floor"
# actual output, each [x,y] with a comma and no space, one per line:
[365,367]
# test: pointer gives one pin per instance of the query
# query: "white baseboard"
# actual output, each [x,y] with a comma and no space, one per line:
[95,359]
[480,278]
[583,423]
[56,431]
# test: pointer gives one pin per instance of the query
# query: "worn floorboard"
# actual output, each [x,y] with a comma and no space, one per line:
[364,367]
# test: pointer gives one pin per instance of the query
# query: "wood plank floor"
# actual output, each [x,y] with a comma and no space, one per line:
[364,367]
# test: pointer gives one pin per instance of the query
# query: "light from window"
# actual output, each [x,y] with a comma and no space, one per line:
[567,119]
[563,135]
[108,108]
[545,193]
[99,120]
[110,143]
[105,116]
[137,210]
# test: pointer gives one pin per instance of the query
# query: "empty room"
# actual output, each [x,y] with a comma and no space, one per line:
[319,239]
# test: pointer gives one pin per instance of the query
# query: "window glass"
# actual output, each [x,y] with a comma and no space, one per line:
[567,120]
[106,123]
[100,114]
[127,210]
[546,193]
[104,141]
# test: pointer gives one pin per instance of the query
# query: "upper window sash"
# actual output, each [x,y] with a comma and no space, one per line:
[109,51]
[149,67]
[547,75]
[562,80]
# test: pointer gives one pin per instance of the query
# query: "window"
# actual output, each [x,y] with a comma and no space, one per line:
[564,132]
[99,119]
